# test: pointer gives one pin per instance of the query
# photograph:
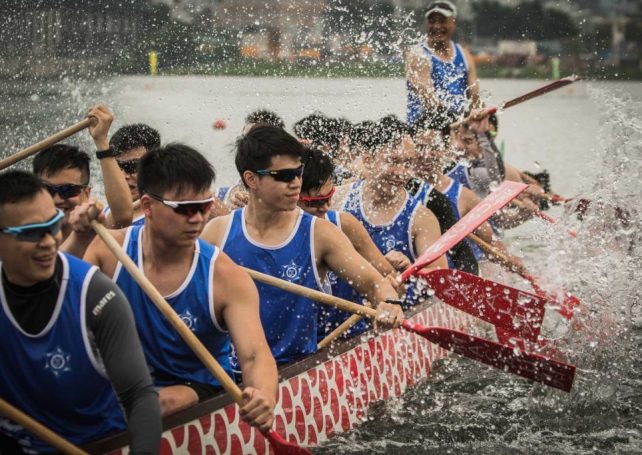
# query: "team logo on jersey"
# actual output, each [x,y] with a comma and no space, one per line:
[332,277]
[58,362]
[291,271]
[389,242]
[189,319]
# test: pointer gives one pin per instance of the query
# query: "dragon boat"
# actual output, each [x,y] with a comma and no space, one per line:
[320,396]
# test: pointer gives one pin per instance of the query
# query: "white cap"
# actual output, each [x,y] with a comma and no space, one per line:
[443,7]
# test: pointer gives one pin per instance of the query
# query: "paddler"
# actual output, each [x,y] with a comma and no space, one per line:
[64,169]
[214,297]
[395,220]
[432,152]
[69,351]
[131,143]
[440,73]
[317,190]
[272,235]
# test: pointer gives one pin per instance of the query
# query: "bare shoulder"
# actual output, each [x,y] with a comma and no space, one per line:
[215,229]
[232,282]
[469,198]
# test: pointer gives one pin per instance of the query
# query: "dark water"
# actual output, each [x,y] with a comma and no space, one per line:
[591,141]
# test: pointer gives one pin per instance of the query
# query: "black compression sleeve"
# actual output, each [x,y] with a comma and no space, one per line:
[109,318]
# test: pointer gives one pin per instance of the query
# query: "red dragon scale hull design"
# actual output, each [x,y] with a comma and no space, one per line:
[319,396]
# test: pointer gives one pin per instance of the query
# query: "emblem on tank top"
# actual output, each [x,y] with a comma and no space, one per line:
[291,271]
[189,319]
[389,242]
[58,362]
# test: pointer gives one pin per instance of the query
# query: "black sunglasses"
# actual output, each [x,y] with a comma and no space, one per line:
[66,190]
[129,166]
[187,208]
[283,175]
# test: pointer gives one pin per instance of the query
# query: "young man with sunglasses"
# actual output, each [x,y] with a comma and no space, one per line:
[395,220]
[317,190]
[67,335]
[272,235]
[131,143]
[440,72]
[65,171]
[213,296]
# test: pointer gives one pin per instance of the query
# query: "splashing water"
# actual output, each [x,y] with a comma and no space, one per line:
[467,408]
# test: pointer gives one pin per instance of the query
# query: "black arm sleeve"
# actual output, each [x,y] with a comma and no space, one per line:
[109,318]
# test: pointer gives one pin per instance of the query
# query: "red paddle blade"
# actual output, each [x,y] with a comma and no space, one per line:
[532,366]
[517,312]
[541,91]
[486,208]
[282,447]
[566,306]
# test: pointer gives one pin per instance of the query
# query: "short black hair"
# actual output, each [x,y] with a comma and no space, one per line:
[176,167]
[388,130]
[265,117]
[362,135]
[318,169]
[133,136]
[18,186]
[59,157]
[437,118]
[254,150]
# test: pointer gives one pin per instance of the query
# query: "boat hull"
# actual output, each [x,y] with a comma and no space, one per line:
[323,395]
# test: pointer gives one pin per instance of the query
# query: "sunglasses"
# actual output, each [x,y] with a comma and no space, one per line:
[35,232]
[283,175]
[66,190]
[129,166]
[187,208]
[317,201]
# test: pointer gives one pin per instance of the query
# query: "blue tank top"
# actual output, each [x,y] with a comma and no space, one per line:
[170,359]
[453,193]
[460,174]
[55,376]
[329,317]
[289,321]
[449,80]
[392,236]
[223,192]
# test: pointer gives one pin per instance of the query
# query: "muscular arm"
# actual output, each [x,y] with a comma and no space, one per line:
[110,320]
[418,75]
[237,299]
[99,255]
[364,245]
[334,251]
[425,231]
[473,81]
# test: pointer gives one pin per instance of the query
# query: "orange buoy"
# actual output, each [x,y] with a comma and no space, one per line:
[219,124]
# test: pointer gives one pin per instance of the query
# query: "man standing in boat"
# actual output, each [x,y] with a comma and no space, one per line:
[67,336]
[213,296]
[272,235]
[440,73]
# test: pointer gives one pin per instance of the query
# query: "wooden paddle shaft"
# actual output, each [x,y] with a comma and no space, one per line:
[39,429]
[325,299]
[186,334]
[35,148]
[336,333]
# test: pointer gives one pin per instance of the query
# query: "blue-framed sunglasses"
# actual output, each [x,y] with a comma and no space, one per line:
[35,232]
[283,175]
